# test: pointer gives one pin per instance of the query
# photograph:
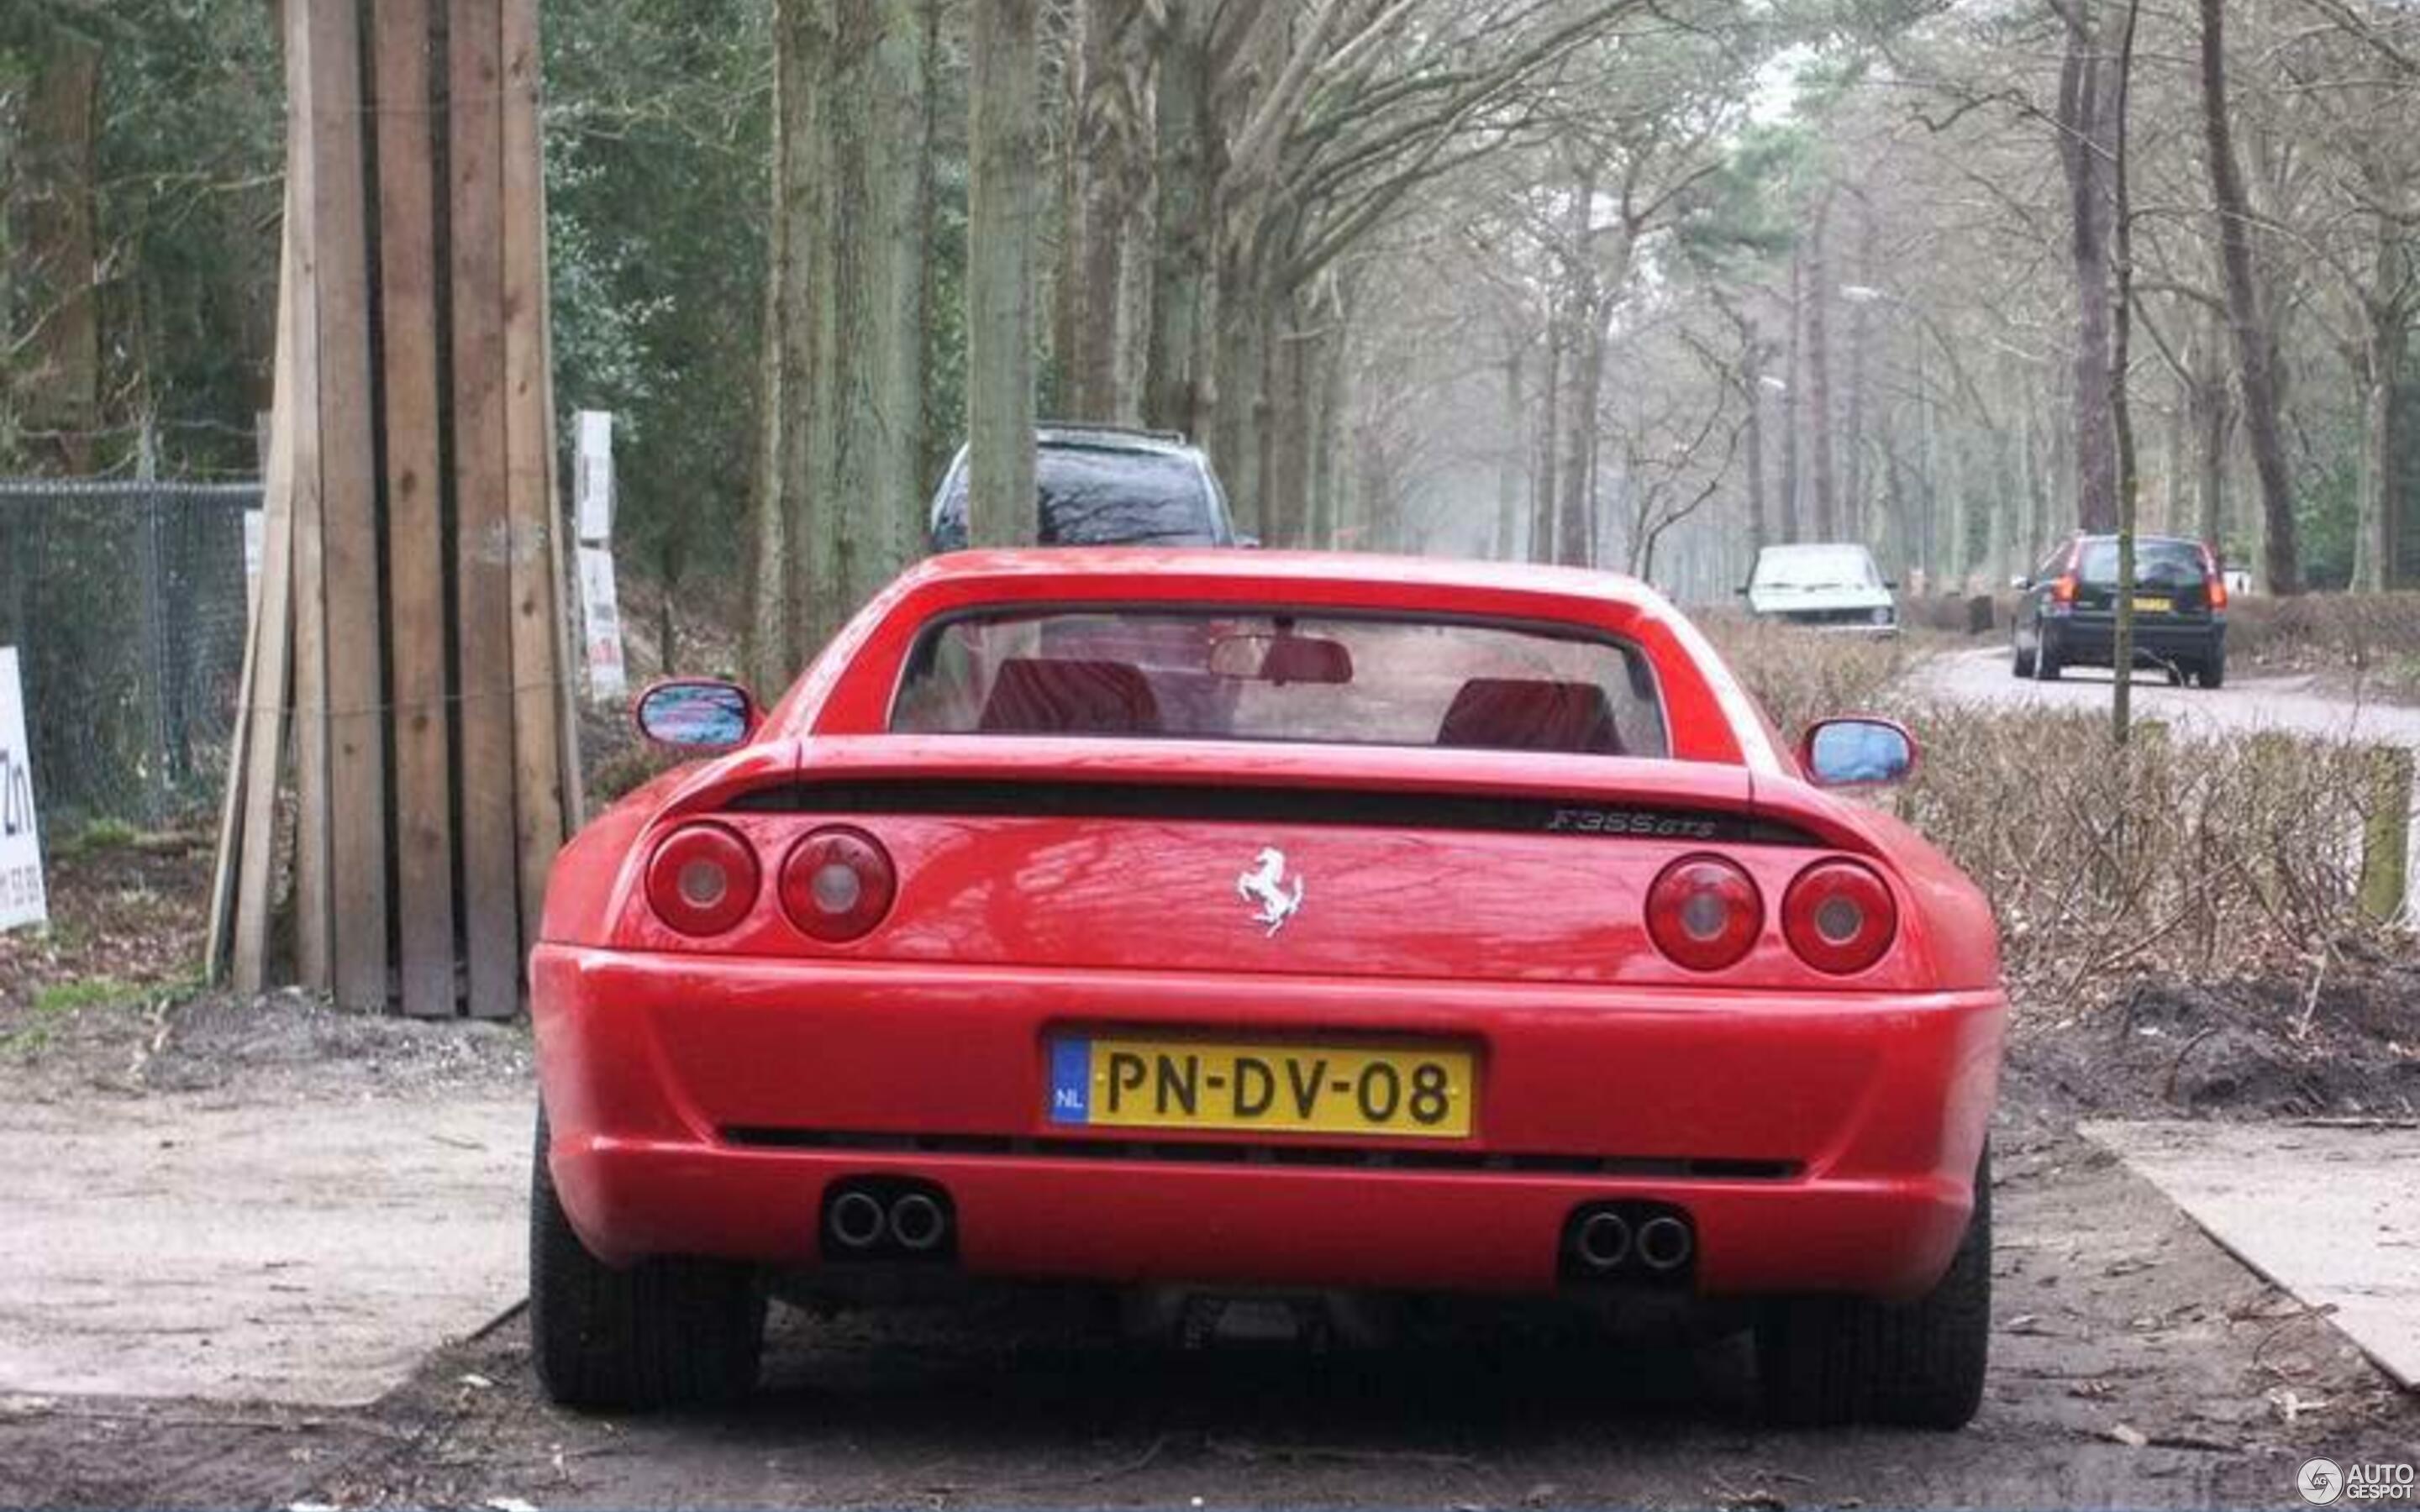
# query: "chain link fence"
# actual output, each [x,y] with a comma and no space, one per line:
[126,602]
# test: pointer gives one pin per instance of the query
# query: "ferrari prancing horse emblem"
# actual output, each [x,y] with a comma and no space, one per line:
[1266,887]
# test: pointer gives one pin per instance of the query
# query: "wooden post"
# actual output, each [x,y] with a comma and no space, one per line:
[349,487]
[483,539]
[387,620]
[424,811]
[529,474]
[2386,834]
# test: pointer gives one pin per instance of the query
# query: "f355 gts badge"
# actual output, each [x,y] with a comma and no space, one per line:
[1266,885]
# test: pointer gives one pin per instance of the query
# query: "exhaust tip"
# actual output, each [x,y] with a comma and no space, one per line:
[1664,1243]
[1603,1240]
[918,1223]
[856,1220]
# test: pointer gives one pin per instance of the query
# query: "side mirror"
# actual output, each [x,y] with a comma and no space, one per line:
[1741,590]
[695,714]
[1857,752]
[2021,583]
[1891,583]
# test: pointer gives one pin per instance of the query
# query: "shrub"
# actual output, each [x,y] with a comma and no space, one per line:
[2166,856]
[1801,676]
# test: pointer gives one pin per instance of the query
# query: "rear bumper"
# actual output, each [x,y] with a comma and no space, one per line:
[2094,638]
[1822,1142]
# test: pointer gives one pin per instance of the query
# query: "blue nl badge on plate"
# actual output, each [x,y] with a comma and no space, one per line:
[1071,1080]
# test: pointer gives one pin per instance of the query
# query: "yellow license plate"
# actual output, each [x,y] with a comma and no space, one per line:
[1104,1082]
[2154,606]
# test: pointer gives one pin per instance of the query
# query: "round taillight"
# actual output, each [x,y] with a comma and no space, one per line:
[837,883]
[1839,916]
[1704,913]
[702,879]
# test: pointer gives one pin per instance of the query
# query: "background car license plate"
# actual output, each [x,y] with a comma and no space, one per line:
[1180,1084]
[2154,606]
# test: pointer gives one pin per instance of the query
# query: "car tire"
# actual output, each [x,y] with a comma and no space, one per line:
[1827,1360]
[2214,669]
[2045,661]
[2021,663]
[655,1334]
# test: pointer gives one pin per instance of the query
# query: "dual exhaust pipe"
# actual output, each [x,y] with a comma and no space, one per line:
[887,1220]
[1619,1239]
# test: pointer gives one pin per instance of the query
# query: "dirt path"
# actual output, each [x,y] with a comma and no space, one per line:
[2116,1322]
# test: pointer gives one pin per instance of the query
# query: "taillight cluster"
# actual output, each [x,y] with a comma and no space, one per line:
[1704,912]
[835,883]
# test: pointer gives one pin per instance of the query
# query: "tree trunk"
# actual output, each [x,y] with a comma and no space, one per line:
[1088,346]
[2379,546]
[1857,524]
[1293,369]
[1511,468]
[2255,352]
[1174,386]
[1585,323]
[60,137]
[1818,372]
[1752,438]
[1543,456]
[2085,155]
[767,656]
[1002,200]
[1794,378]
[787,533]
[870,343]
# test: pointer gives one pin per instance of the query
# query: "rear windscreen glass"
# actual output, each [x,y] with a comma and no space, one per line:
[1272,676]
[1103,498]
[2157,564]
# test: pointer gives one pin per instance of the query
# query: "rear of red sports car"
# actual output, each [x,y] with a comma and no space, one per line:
[1447,929]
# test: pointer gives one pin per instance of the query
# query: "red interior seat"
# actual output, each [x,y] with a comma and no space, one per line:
[1036,696]
[1527,714]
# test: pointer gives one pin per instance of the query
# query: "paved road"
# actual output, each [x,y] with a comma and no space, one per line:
[2291,703]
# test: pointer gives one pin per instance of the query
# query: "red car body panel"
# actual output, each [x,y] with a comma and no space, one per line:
[1821,1131]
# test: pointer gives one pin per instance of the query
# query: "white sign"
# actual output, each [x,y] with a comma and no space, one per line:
[592,477]
[21,899]
[601,620]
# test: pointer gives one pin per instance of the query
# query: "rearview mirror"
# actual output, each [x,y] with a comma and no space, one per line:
[1860,752]
[1281,659]
[695,714]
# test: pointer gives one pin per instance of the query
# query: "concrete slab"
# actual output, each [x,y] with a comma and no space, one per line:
[2331,1213]
[312,1253]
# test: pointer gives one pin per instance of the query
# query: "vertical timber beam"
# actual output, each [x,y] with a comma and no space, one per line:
[424,806]
[314,943]
[483,541]
[529,474]
[348,515]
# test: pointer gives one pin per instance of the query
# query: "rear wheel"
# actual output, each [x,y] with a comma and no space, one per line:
[657,1333]
[2021,663]
[2045,660]
[1831,1360]
[2214,669]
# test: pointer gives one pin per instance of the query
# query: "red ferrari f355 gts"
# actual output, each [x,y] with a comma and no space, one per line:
[1223,925]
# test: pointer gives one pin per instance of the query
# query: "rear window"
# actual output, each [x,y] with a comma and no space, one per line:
[1275,676]
[2157,564]
[1102,497]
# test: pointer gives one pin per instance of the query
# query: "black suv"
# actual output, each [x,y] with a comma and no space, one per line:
[2068,616]
[1101,485]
